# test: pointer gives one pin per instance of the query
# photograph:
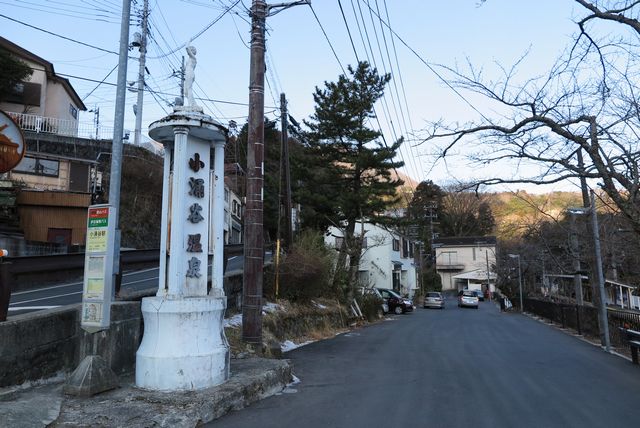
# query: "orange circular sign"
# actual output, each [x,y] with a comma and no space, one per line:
[12,144]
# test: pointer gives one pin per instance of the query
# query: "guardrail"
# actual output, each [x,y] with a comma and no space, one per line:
[26,272]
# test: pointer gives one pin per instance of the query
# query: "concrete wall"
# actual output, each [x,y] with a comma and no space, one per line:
[45,343]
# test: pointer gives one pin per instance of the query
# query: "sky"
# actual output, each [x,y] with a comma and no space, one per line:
[426,34]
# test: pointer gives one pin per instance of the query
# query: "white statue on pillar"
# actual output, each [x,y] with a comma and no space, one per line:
[189,76]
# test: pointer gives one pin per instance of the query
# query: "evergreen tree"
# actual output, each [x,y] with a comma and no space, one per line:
[355,179]
[14,71]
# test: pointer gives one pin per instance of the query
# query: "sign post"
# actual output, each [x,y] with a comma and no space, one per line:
[97,293]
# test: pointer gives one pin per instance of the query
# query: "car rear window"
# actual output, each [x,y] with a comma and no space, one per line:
[433,294]
[469,294]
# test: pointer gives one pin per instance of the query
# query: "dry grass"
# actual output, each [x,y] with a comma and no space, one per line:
[319,320]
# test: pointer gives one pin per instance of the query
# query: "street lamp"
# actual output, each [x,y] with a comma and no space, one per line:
[517,256]
[604,323]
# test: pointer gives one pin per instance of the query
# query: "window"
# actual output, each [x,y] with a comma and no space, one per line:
[449,257]
[339,242]
[474,253]
[46,167]
[411,249]
[364,242]
[405,248]
[226,195]
[73,111]
[396,245]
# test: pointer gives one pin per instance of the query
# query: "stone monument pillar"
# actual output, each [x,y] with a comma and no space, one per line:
[184,346]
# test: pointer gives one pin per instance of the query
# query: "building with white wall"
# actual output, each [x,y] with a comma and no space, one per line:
[387,259]
[466,262]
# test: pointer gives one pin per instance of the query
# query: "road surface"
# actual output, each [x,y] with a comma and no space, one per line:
[53,296]
[452,368]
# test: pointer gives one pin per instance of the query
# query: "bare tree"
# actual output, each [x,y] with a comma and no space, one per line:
[585,106]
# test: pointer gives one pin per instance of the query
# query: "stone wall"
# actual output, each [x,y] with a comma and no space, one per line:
[42,344]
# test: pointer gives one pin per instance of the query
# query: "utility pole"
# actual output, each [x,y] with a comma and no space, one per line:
[604,319]
[118,134]
[253,220]
[284,156]
[137,138]
[253,232]
[575,253]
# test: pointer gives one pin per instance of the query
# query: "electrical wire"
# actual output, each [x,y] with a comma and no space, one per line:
[58,35]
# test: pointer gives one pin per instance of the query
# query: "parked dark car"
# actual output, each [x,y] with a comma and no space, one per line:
[480,295]
[397,304]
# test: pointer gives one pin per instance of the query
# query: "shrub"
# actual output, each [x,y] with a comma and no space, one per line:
[305,272]
[371,306]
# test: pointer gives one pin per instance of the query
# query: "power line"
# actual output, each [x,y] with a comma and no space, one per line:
[86,79]
[100,83]
[201,32]
[326,37]
[428,65]
[58,35]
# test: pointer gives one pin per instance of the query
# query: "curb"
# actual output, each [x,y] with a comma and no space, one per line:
[251,380]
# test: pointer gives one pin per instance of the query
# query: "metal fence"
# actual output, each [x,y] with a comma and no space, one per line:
[584,319]
[63,127]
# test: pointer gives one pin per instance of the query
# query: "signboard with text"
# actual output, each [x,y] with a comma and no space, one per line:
[97,292]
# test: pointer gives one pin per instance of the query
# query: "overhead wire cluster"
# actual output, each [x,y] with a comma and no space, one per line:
[396,116]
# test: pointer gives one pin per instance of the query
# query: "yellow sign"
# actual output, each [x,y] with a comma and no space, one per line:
[97,240]
[95,288]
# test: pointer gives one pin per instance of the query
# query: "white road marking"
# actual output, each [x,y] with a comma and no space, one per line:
[45,298]
[33,308]
[46,288]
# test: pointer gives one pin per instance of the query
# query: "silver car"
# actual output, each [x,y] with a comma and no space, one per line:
[467,298]
[433,299]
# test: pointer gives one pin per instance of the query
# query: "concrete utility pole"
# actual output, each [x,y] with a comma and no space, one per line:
[604,319]
[137,138]
[253,220]
[597,281]
[284,156]
[118,134]
[575,253]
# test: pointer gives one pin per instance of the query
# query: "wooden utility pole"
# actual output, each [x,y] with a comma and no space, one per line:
[253,228]
[253,219]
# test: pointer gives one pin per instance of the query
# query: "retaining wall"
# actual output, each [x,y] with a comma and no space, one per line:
[42,344]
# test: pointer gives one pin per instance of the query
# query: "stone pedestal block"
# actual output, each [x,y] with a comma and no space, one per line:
[183,347]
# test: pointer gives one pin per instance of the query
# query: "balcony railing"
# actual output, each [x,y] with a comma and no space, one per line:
[63,127]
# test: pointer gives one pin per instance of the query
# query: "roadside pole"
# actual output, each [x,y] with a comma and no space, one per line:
[253,220]
[604,320]
[115,176]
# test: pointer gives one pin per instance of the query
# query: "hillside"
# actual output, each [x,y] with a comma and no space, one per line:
[516,212]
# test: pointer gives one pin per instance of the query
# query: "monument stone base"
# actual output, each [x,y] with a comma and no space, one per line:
[184,347]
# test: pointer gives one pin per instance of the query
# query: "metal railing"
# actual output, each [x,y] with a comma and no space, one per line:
[63,127]
[584,319]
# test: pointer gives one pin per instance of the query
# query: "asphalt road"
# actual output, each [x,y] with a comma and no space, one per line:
[452,368]
[53,296]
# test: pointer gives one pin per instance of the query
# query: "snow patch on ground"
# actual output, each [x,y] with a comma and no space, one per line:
[288,345]
[289,388]
[319,305]
[271,307]
[234,321]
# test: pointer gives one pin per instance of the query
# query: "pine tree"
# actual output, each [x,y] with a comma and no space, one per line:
[13,72]
[351,167]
